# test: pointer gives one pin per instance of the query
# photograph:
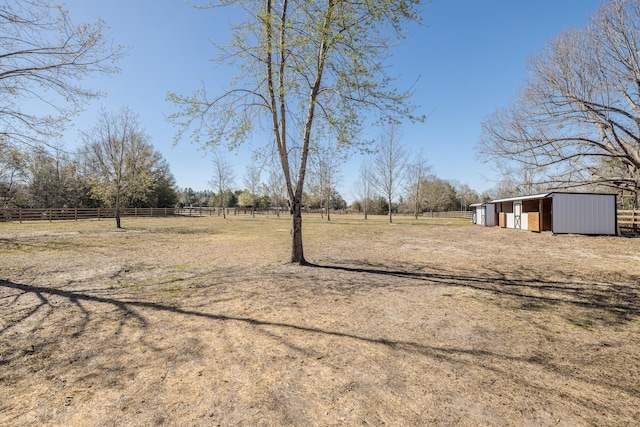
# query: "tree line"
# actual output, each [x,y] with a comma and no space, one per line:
[391,181]
[115,166]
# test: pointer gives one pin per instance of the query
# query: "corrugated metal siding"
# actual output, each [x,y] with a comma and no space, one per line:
[490,214]
[584,213]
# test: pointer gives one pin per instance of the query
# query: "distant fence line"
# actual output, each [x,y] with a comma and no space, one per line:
[449,214]
[202,211]
[627,219]
[75,214]
[57,214]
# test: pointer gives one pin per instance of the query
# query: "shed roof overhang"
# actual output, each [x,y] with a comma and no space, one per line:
[518,198]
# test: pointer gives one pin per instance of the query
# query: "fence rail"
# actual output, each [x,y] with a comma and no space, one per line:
[449,214]
[629,219]
[56,214]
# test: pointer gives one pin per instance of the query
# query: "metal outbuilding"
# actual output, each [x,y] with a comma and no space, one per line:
[484,213]
[559,212]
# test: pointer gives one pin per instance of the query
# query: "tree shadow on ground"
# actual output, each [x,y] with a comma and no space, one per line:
[623,301]
[620,300]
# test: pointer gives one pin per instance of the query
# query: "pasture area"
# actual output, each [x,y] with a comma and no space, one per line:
[201,322]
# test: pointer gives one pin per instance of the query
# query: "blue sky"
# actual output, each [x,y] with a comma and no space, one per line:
[470,56]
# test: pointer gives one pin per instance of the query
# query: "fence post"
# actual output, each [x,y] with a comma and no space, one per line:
[50,214]
[75,214]
[98,214]
[20,215]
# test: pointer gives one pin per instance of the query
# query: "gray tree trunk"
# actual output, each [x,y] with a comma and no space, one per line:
[297,254]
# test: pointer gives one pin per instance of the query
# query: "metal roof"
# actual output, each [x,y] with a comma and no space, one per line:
[529,197]
[545,195]
[534,197]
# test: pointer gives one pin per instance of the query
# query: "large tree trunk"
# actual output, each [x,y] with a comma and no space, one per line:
[297,254]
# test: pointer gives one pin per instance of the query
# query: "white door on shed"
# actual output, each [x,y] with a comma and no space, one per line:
[517,215]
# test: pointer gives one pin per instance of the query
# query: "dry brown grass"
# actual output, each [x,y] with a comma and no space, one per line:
[199,321]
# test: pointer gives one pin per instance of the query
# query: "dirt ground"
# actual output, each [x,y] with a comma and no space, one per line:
[200,322]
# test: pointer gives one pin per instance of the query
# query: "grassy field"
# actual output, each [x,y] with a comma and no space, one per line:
[200,322]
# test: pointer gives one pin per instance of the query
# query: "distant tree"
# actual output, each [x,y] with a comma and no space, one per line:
[438,194]
[120,160]
[276,189]
[246,200]
[417,170]
[230,199]
[575,121]
[164,193]
[306,66]
[263,201]
[13,172]
[43,57]
[389,164]
[252,180]
[325,166]
[187,197]
[55,180]
[466,196]
[379,205]
[336,202]
[222,180]
[363,186]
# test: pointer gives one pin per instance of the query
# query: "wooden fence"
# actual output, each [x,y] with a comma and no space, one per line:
[449,214]
[56,214]
[629,220]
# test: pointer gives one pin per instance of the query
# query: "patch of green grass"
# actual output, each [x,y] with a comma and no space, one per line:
[171,289]
[134,287]
[180,267]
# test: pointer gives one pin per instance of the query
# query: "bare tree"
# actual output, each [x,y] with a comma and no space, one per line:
[363,186]
[276,189]
[417,170]
[305,65]
[466,195]
[43,57]
[222,179]
[325,167]
[575,122]
[251,180]
[389,164]
[120,159]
